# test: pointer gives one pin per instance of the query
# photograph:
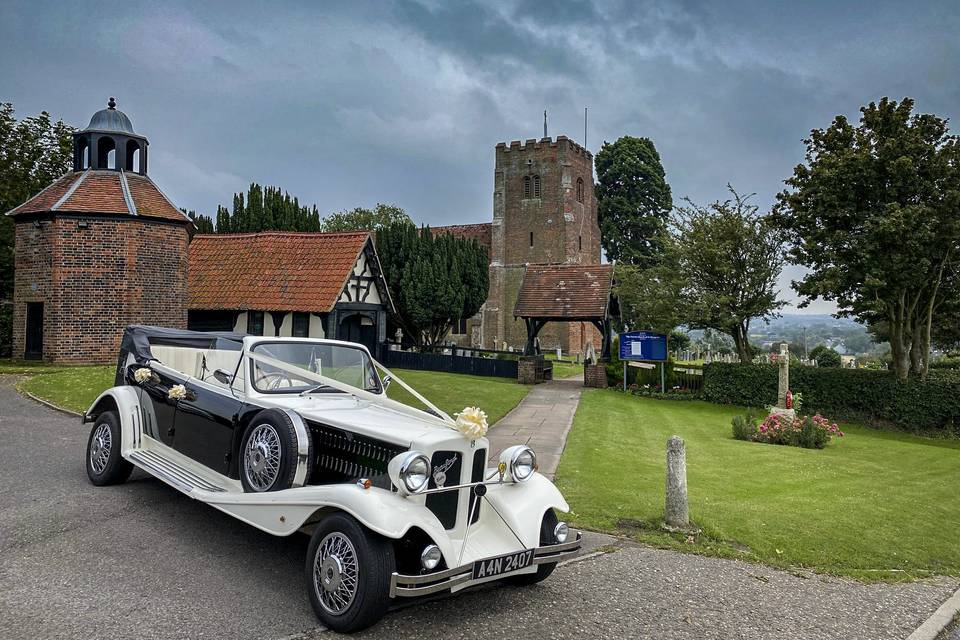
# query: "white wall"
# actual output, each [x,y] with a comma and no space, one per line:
[316,327]
[286,326]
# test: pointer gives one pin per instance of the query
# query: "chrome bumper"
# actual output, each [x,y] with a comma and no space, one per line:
[406,586]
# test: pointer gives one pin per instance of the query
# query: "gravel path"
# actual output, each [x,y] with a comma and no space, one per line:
[141,560]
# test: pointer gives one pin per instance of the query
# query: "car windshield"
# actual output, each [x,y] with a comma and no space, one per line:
[342,363]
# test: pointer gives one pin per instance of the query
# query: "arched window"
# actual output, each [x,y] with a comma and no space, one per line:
[526,187]
[536,186]
[579,189]
[132,162]
[106,153]
[83,153]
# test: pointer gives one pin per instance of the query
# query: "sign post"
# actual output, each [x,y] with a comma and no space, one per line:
[644,346]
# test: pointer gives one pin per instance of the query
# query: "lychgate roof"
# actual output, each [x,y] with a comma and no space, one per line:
[272,271]
[568,291]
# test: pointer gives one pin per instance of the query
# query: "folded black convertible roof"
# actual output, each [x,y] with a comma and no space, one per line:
[137,339]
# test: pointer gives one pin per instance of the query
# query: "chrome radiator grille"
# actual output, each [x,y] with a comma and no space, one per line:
[340,455]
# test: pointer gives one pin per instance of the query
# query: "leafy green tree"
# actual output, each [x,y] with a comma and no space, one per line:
[872,213]
[34,152]
[433,280]
[729,260]
[204,224]
[651,299]
[825,356]
[266,209]
[678,341]
[634,201]
[223,219]
[360,219]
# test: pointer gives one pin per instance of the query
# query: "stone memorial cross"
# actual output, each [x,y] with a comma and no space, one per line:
[783,383]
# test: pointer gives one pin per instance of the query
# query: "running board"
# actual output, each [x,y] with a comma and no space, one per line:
[171,472]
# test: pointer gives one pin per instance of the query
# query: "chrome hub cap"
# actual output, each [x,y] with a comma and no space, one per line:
[261,457]
[335,572]
[100,448]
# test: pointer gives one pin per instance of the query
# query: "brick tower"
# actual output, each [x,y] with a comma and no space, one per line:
[97,250]
[544,212]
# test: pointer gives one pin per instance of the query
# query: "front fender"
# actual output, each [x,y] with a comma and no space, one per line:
[523,504]
[127,402]
[284,512]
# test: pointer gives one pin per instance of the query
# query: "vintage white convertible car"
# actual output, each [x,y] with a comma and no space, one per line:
[298,434]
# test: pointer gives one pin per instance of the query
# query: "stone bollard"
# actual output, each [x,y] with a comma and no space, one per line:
[676,513]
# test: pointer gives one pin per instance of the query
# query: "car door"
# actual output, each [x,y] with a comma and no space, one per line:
[205,423]
[159,414]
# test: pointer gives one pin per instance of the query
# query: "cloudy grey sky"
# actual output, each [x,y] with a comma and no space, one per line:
[347,104]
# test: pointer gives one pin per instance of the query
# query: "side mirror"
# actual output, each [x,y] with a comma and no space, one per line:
[386,382]
[223,376]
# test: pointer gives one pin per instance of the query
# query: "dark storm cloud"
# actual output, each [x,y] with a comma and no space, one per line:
[353,103]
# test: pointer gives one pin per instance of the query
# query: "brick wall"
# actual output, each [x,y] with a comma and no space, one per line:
[95,280]
[32,280]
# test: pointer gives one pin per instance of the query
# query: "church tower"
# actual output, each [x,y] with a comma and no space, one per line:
[544,212]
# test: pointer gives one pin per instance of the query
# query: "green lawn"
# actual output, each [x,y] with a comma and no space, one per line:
[73,388]
[452,392]
[76,388]
[566,370]
[874,505]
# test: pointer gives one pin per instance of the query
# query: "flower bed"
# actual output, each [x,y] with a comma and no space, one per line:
[809,432]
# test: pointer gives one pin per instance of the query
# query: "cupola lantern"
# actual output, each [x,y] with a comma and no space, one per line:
[109,142]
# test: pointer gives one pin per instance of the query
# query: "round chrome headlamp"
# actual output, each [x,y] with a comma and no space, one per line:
[410,472]
[430,557]
[560,532]
[521,461]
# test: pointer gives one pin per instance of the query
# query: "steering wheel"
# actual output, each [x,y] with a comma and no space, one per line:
[274,380]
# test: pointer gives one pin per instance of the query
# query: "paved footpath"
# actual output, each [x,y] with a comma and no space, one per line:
[141,560]
[541,420]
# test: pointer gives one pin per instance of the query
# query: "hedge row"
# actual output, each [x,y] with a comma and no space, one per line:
[850,394]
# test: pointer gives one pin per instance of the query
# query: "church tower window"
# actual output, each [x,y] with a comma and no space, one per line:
[526,187]
[536,186]
[579,189]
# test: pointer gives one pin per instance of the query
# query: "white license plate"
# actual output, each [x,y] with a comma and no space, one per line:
[502,564]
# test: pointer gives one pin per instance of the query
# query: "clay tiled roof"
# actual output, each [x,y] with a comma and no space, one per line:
[102,191]
[478,232]
[271,271]
[564,291]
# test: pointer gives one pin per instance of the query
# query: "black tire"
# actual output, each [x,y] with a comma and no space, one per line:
[547,526]
[374,564]
[280,425]
[104,463]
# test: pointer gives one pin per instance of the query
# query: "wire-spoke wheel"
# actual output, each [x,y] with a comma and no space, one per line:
[335,573]
[273,455]
[104,463]
[262,457]
[348,573]
[100,447]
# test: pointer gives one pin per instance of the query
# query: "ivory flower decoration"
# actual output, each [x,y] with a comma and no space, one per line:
[177,392]
[142,374]
[472,423]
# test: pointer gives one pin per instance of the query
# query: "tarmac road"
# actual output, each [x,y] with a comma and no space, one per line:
[141,560]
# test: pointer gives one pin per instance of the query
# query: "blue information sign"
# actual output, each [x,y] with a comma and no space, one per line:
[643,345]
